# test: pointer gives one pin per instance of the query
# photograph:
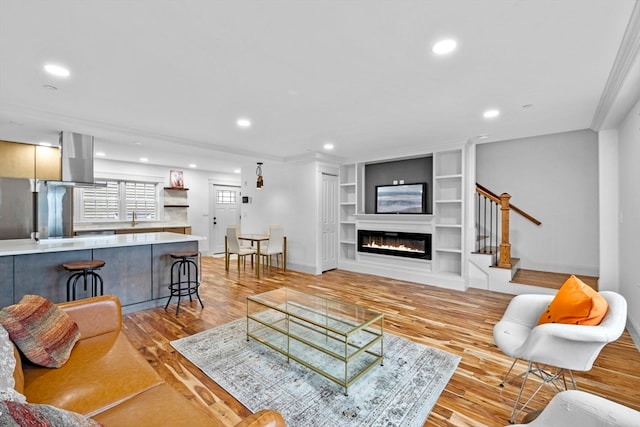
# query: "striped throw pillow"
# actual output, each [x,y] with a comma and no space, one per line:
[41,330]
[30,414]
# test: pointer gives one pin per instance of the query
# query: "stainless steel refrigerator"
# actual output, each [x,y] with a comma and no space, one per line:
[54,210]
[35,209]
[16,208]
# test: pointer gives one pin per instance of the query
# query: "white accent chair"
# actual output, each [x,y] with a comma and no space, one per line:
[234,247]
[274,246]
[553,349]
[578,408]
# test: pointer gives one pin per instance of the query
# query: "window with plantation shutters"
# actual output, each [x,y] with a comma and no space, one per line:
[116,200]
[141,198]
[101,202]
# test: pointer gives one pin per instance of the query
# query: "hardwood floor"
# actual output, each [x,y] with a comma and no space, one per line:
[546,279]
[458,322]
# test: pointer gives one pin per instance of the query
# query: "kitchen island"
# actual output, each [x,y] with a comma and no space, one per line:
[137,268]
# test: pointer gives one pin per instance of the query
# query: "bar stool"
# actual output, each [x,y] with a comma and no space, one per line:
[84,269]
[182,282]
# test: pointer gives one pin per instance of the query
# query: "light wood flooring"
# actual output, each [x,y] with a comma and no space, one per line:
[549,280]
[458,322]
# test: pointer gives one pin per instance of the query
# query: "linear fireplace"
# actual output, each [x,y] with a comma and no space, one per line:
[410,245]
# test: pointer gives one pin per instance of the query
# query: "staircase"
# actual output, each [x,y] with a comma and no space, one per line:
[491,265]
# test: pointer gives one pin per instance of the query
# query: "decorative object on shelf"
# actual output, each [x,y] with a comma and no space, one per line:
[260,180]
[177,179]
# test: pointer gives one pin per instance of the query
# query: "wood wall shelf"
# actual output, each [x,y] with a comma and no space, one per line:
[176,188]
[176,206]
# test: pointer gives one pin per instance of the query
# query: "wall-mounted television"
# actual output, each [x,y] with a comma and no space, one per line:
[401,199]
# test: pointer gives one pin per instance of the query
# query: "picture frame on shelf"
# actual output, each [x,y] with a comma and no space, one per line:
[176,179]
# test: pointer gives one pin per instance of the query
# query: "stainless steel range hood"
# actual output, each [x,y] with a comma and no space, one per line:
[77,157]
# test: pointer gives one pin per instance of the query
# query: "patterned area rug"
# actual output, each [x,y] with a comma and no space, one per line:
[400,393]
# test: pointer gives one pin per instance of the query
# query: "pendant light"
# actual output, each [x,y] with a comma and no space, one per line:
[260,181]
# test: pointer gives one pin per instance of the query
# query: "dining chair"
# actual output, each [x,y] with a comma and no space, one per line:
[234,247]
[274,246]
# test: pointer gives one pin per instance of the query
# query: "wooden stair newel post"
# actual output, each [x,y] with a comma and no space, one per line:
[505,246]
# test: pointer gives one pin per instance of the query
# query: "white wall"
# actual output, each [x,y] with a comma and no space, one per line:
[629,219]
[555,179]
[289,198]
[608,156]
[196,181]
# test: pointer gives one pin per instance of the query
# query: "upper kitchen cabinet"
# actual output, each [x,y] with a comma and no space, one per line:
[17,160]
[48,163]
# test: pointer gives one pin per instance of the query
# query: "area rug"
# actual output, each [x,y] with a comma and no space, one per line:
[400,393]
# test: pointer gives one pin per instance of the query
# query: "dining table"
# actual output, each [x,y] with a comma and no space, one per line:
[257,238]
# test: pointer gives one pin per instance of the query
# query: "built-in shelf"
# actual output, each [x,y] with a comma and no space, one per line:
[347,213]
[448,203]
[445,224]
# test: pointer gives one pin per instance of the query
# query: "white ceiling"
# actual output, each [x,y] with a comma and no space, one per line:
[167,79]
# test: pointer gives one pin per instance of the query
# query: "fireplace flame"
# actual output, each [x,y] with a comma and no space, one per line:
[399,247]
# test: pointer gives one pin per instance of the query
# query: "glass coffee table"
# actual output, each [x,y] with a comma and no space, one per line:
[338,340]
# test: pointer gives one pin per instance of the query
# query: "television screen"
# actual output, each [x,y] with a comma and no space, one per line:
[401,199]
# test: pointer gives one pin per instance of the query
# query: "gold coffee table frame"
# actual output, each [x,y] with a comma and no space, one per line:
[332,338]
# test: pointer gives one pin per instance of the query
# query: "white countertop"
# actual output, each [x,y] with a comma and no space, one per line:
[29,246]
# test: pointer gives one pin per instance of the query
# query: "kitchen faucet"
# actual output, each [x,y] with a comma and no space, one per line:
[133,219]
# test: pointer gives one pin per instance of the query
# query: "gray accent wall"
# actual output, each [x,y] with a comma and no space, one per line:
[410,170]
[555,179]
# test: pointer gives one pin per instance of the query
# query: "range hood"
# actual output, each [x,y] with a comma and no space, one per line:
[77,157]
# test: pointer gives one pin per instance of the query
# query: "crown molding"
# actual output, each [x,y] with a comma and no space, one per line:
[627,54]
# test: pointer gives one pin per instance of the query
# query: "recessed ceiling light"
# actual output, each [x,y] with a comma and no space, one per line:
[44,143]
[57,70]
[100,154]
[483,136]
[243,123]
[192,165]
[328,146]
[444,46]
[489,114]
[525,106]
[144,159]
[50,87]
[237,171]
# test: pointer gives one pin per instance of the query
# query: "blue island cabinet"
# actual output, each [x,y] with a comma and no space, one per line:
[6,281]
[137,267]
[42,274]
[126,273]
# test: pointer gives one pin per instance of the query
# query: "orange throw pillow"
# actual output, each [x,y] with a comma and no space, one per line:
[575,303]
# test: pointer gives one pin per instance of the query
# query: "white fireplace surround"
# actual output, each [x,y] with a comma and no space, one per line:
[400,223]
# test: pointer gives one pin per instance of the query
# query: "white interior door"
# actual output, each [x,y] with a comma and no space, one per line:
[224,210]
[329,222]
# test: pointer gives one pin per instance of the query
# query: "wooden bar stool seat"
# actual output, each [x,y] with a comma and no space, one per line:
[185,280]
[85,269]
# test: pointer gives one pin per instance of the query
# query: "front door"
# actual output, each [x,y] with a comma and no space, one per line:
[224,210]
[329,222]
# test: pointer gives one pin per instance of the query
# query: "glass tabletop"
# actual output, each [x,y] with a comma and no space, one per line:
[337,316]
